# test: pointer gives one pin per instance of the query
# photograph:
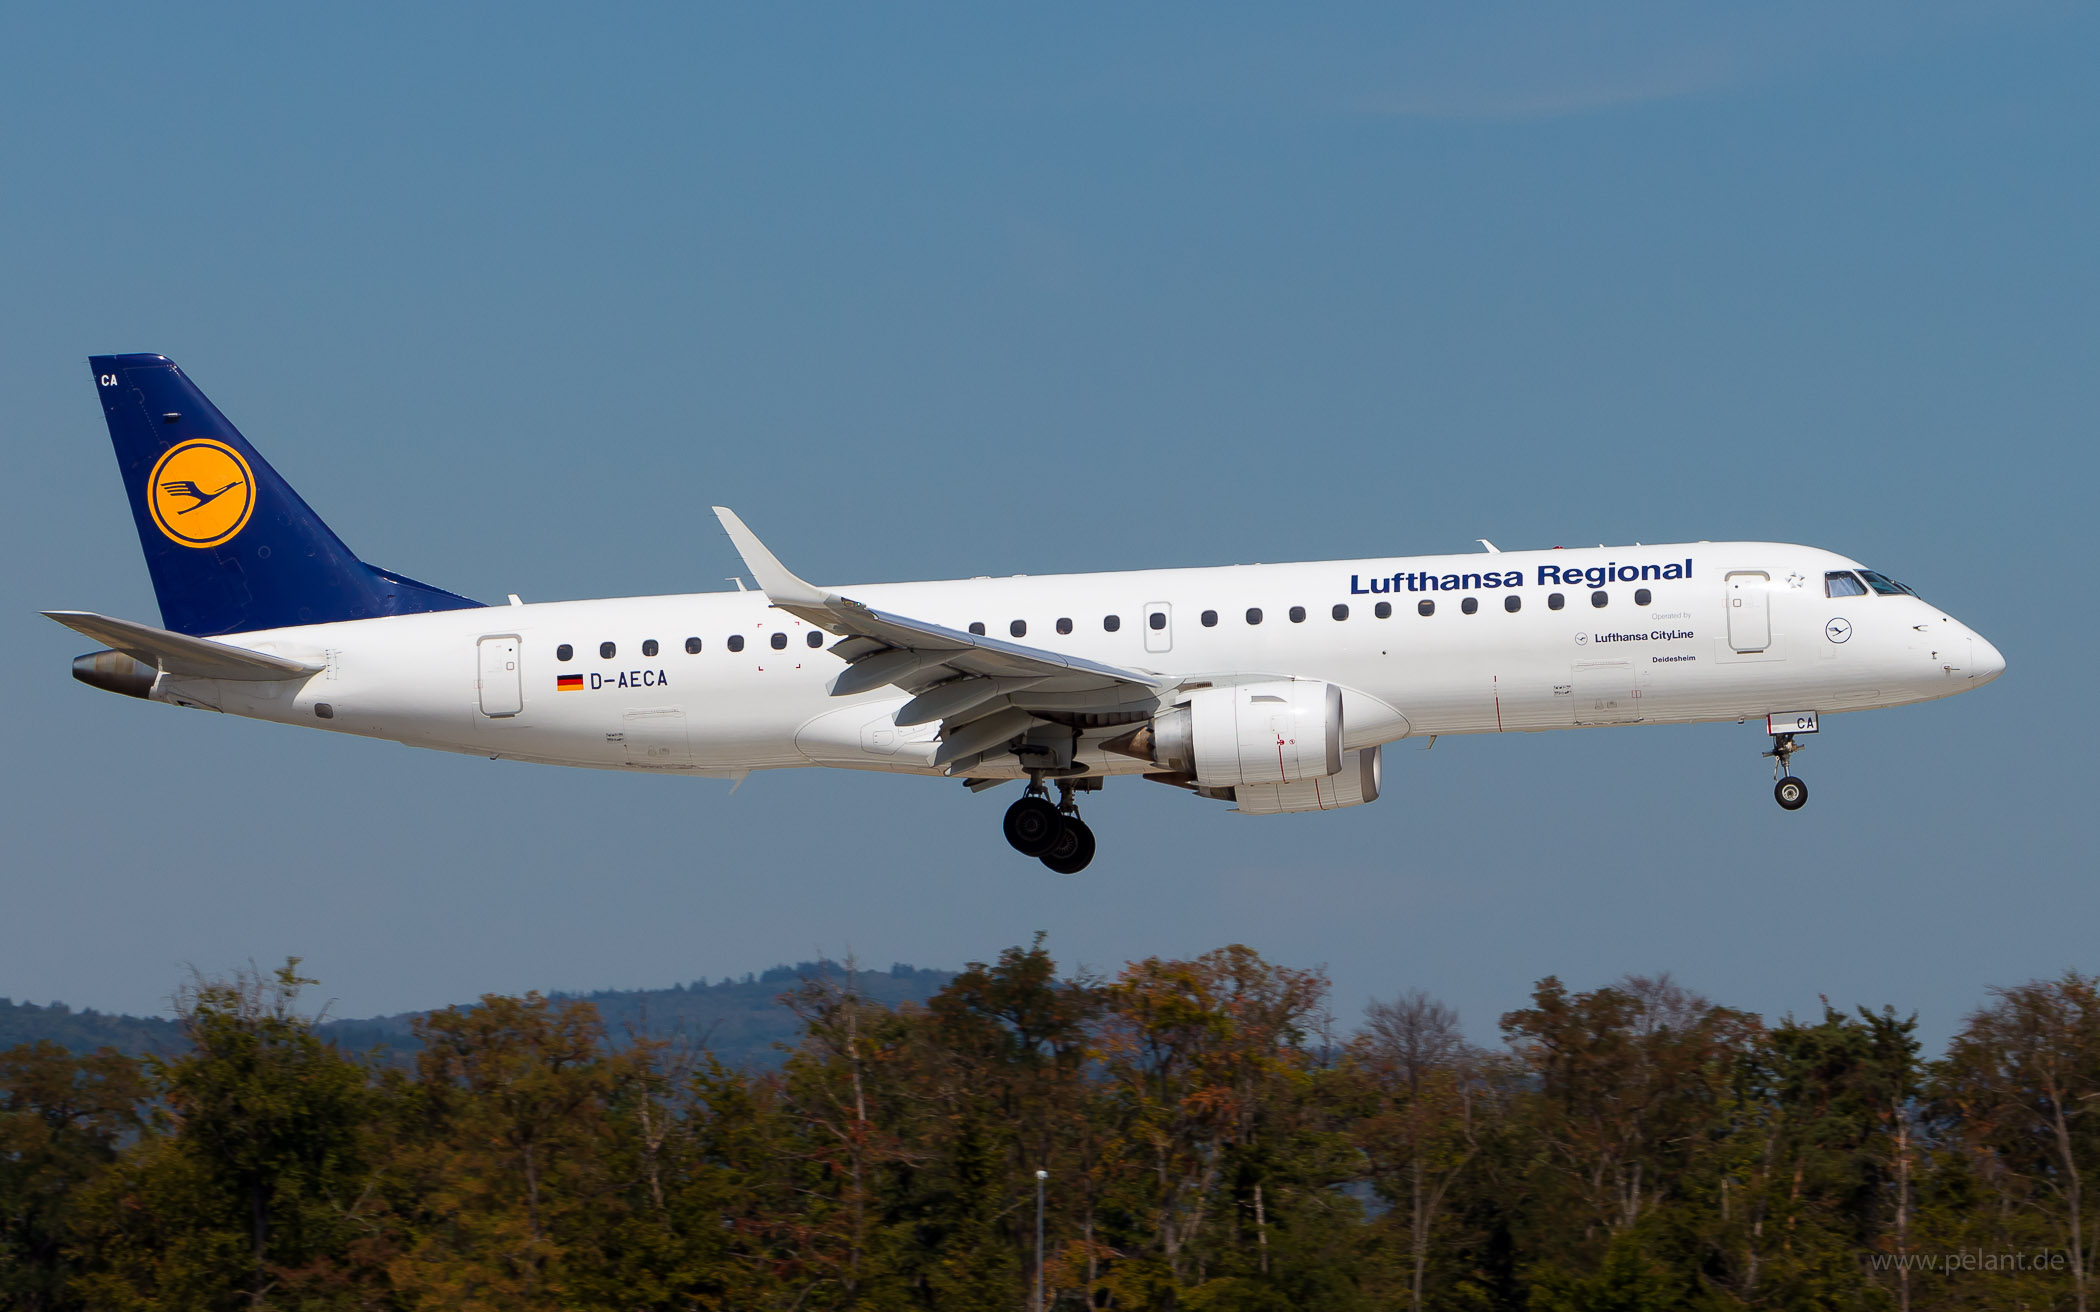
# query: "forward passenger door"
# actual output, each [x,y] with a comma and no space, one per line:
[1749,615]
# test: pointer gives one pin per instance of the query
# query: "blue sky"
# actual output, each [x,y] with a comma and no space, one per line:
[513,294]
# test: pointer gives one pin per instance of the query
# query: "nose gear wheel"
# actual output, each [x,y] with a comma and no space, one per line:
[1791,793]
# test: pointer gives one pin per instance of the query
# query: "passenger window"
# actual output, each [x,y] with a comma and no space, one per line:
[1425,607]
[1110,623]
[1297,614]
[1210,619]
[736,642]
[649,647]
[1019,628]
[977,627]
[1341,612]
[692,646]
[1064,624]
[1600,599]
[1843,583]
[1642,596]
[780,641]
[1157,619]
[606,650]
[1555,601]
[564,652]
[1513,603]
[1254,614]
[816,638]
[1470,605]
[1383,610]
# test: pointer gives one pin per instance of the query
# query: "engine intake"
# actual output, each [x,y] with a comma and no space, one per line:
[1278,732]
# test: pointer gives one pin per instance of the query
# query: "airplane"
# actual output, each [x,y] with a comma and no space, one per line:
[1272,687]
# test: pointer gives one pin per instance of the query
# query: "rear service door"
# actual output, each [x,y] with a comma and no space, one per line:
[502,691]
[1749,619]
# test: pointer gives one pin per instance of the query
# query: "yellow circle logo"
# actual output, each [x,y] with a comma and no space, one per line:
[201,493]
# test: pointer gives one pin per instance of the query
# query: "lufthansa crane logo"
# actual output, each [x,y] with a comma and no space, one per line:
[201,493]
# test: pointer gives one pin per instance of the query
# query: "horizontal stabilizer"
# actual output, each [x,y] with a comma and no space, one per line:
[180,654]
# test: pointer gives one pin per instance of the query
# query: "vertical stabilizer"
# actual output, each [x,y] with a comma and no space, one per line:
[231,547]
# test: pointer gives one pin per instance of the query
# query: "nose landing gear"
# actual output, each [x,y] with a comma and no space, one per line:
[1789,792]
[1052,832]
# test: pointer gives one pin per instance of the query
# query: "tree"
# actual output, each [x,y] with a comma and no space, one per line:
[845,1090]
[62,1121]
[1196,1052]
[1818,1163]
[668,1214]
[1004,1081]
[2023,1077]
[1633,1085]
[251,1188]
[499,1156]
[1421,1134]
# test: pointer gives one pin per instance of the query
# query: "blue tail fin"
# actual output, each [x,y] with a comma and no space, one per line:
[231,547]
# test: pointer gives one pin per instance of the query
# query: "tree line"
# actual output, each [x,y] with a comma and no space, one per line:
[1210,1142]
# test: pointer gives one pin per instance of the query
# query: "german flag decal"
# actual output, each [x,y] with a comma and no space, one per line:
[568,683]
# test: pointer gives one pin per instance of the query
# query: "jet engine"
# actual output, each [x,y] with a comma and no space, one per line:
[1278,732]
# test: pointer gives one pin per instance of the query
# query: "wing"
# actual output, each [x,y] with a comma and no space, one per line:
[986,692]
[185,488]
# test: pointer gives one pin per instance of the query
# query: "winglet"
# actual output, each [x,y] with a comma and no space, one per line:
[781,587]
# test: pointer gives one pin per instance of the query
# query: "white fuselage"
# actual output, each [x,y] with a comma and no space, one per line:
[1736,631]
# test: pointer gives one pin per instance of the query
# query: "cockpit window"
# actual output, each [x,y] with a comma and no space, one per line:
[1843,583]
[1885,585]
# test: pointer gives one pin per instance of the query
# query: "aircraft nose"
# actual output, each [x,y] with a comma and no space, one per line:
[1985,659]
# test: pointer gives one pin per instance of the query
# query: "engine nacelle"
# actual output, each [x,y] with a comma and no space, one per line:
[1356,784]
[1280,732]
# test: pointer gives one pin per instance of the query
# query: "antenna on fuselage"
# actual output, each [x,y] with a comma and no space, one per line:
[1493,550]
[739,583]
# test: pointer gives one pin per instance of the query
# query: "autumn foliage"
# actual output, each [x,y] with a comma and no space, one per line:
[1212,1141]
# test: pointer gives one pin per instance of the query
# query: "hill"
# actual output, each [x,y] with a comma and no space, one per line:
[86,1030]
[739,1020]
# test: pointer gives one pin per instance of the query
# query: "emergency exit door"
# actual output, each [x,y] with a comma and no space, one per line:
[1749,618]
[501,685]
[1159,626]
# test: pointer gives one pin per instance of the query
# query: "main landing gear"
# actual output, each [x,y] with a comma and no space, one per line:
[1052,832]
[1790,792]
